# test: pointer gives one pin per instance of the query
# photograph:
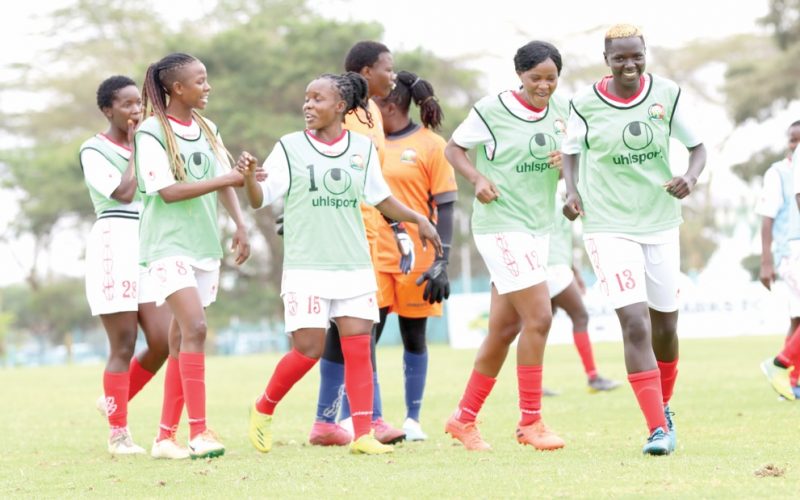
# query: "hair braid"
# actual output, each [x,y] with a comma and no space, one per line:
[410,86]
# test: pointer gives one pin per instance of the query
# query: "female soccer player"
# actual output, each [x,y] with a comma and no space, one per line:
[515,176]
[629,200]
[117,289]
[566,288]
[181,165]
[374,62]
[419,176]
[323,174]
[780,243]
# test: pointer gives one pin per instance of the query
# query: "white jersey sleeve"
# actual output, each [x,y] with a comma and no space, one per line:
[375,187]
[682,128]
[770,200]
[153,164]
[277,182]
[223,162]
[473,132]
[99,172]
[576,133]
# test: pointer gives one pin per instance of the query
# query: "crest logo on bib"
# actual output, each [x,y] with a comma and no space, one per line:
[559,127]
[408,156]
[357,162]
[656,112]
[637,135]
[198,165]
[541,145]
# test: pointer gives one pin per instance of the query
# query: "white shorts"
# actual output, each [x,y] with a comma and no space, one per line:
[170,274]
[114,280]
[789,272]
[559,277]
[515,260]
[629,272]
[310,311]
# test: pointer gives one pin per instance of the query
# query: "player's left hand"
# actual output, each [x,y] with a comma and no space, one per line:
[680,186]
[241,245]
[437,287]
[555,159]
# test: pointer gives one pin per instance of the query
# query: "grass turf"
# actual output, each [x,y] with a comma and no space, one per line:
[734,438]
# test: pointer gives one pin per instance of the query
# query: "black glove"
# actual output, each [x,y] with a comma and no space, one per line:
[279,225]
[438,286]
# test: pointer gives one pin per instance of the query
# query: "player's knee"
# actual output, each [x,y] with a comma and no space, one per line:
[538,324]
[636,330]
[196,330]
[580,320]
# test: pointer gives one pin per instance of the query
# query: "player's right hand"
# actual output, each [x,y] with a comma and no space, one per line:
[485,190]
[767,275]
[235,178]
[246,164]
[573,206]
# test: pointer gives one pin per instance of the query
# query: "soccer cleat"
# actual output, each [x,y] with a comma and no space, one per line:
[100,405]
[658,443]
[673,435]
[329,434]
[385,433]
[549,392]
[796,390]
[602,384]
[121,443]
[260,430]
[369,445]
[414,430]
[206,445]
[169,448]
[347,424]
[539,436]
[779,379]
[467,433]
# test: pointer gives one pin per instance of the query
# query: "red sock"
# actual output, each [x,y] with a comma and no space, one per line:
[584,347]
[193,380]
[478,388]
[790,355]
[115,388]
[647,388]
[669,372]
[529,379]
[138,377]
[172,405]
[358,381]
[291,368]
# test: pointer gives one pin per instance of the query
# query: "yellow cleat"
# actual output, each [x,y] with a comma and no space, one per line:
[260,430]
[779,378]
[368,445]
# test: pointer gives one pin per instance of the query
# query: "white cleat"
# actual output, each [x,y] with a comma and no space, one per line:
[206,445]
[100,405]
[170,449]
[414,430]
[121,443]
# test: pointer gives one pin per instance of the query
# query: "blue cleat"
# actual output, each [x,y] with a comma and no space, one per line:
[658,443]
[673,436]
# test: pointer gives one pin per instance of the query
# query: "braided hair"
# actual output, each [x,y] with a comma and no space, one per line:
[410,86]
[158,80]
[107,90]
[354,91]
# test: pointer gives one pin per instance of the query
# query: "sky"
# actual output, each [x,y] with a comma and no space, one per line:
[486,40]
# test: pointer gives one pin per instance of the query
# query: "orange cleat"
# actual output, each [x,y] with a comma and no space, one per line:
[539,436]
[467,433]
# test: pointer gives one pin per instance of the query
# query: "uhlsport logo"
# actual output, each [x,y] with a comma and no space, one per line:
[337,181]
[409,156]
[198,164]
[357,162]
[541,145]
[656,112]
[637,135]
[559,127]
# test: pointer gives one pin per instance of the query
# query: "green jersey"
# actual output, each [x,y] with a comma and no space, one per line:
[624,161]
[102,203]
[519,166]
[323,226]
[182,228]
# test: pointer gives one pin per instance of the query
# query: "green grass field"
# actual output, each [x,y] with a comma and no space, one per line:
[730,427]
